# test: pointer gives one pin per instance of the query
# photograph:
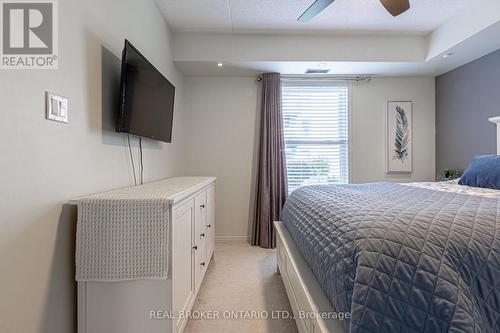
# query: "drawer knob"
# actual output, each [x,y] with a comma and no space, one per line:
[209,226]
[195,247]
[203,263]
[202,206]
[202,234]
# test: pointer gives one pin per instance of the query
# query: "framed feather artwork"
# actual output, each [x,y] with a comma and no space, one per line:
[399,137]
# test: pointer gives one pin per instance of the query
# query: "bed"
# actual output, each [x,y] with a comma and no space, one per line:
[387,257]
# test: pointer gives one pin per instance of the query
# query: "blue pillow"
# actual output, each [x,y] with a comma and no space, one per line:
[483,171]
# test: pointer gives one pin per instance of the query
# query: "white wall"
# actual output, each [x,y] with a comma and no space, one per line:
[45,163]
[215,47]
[222,114]
[368,108]
[221,141]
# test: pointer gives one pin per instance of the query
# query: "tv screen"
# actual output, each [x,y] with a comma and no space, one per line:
[146,98]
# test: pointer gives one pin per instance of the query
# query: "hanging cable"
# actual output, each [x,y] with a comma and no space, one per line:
[142,165]
[131,158]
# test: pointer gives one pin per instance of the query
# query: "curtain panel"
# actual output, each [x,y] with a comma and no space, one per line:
[271,180]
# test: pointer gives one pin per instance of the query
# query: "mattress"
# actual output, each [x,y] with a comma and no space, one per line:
[422,257]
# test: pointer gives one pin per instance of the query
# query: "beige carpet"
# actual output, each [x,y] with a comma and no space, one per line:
[242,278]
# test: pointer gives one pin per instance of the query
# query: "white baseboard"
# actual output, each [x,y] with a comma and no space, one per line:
[231,238]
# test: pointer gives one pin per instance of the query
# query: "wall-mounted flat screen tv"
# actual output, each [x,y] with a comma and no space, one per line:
[146,98]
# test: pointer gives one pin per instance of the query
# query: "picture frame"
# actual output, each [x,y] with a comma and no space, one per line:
[399,137]
[56,107]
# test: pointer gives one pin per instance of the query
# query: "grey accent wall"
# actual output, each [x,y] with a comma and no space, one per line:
[465,98]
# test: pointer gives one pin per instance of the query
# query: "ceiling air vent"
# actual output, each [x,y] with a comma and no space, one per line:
[317,71]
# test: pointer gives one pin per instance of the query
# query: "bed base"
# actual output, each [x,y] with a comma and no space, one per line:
[306,297]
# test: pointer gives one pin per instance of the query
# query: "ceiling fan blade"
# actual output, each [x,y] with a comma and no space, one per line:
[396,7]
[316,8]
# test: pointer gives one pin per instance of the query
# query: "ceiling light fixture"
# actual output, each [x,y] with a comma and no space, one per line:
[447,55]
[220,64]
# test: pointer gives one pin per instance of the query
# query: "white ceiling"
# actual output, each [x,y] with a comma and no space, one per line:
[470,49]
[255,36]
[281,16]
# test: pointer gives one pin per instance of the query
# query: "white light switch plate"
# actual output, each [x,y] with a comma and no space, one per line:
[56,107]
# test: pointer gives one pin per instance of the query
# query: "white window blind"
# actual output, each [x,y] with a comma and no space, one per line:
[315,121]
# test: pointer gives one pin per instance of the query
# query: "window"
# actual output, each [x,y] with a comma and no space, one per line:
[315,122]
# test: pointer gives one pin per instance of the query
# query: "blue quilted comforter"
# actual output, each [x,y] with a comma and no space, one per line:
[401,258]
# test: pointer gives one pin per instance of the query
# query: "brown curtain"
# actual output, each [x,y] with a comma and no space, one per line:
[271,180]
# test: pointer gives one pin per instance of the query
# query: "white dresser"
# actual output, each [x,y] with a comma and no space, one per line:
[155,305]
